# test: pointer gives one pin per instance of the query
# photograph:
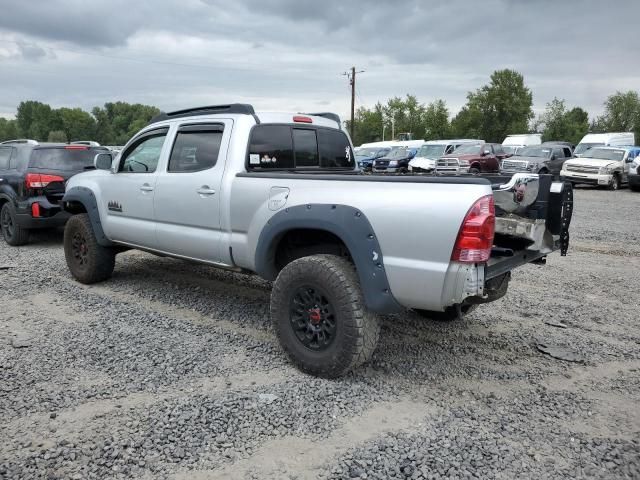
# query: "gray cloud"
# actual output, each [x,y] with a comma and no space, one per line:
[290,53]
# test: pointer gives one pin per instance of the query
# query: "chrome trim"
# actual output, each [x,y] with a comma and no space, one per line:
[520,192]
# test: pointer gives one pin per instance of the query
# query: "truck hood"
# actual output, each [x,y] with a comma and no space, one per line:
[423,162]
[591,162]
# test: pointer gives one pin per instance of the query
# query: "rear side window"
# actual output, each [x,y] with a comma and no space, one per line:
[335,150]
[271,146]
[5,156]
[71,158]
[196,148]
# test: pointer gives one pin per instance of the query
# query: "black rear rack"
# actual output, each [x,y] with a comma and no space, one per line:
[237,108]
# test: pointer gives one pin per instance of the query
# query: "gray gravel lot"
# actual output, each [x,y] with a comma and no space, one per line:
[170,370]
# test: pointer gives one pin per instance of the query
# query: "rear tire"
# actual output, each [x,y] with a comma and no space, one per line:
[319,317]
[454,312]
[88,261]
[13,234]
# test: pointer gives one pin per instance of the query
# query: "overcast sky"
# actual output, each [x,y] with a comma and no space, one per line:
[290,54]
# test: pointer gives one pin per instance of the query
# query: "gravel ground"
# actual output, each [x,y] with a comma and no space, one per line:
[170,370]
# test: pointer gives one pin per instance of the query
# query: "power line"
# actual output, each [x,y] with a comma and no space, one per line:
[352,81]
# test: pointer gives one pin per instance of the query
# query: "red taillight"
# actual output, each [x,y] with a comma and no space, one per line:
[35,209]
[76,147]
[40,180]
[302,119]
[475,238]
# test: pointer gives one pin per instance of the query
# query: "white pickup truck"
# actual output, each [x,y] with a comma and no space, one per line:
[279,195]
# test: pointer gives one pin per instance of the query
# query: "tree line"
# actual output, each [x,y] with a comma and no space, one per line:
[113,124]
[502,107]
[495,110]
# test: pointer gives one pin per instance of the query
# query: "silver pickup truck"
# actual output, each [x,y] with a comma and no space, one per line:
[279,195]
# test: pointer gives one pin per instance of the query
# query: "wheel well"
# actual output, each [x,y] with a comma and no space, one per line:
[475,165]
[3,201]
[299,243]
[73,206]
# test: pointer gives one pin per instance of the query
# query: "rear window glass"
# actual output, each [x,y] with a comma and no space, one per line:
[271,147]
[306,148]
[74,159]
[335,150]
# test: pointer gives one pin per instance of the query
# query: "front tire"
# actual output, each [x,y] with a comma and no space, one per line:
[88,261]
[319,316]
[615,183]
[13,233]
[474,171]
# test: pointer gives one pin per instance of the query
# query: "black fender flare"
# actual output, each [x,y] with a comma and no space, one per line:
[87,198]
[352,227]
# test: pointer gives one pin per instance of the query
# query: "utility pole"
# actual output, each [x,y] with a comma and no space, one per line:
[352,81]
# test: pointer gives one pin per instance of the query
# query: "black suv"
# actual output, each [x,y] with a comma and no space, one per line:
[32,183]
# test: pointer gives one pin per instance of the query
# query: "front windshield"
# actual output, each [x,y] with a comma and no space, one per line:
[398,152]
[468,149]
[583,147]
[542,152]
[431,151]
[510,150]
[605,154]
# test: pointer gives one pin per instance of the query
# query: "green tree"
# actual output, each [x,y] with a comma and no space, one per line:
[8,129]
[57,136]
[404,116]
[495,110]
[558,123]
[368,125]
[77,124]
[436,121]
[36,119]
[621,114]
[117,122]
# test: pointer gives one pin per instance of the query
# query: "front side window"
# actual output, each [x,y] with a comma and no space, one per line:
[195,148]
[143,155]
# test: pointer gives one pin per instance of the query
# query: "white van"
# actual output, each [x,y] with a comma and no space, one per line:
[425,159]
[513,143]
[620,139]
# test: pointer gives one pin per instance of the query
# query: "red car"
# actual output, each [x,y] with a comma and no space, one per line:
[473,158]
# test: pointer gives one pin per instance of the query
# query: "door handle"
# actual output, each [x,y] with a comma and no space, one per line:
[205,190]
[146,188]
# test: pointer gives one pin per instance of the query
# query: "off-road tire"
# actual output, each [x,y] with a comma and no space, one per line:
[449,315]
[88,261]
[357,329]
[13,234]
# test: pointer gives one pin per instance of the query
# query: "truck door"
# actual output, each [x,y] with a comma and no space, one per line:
[127,195]
[188,191]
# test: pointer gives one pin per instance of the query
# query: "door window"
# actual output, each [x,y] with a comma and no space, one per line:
[335,149]
[567,152]
[143,155]
[195,148]
[497,149]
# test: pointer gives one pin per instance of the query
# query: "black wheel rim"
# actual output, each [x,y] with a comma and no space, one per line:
[312,318]
[80,249]
[7,223]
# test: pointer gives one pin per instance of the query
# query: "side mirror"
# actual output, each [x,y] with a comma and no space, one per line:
[629,160]
[486,152]
[553,157]
[103,161]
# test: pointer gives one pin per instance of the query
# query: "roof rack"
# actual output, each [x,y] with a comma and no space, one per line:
[331,116]
[28,141]
[240,108]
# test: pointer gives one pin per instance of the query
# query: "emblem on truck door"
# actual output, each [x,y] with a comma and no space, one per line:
[114,206]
